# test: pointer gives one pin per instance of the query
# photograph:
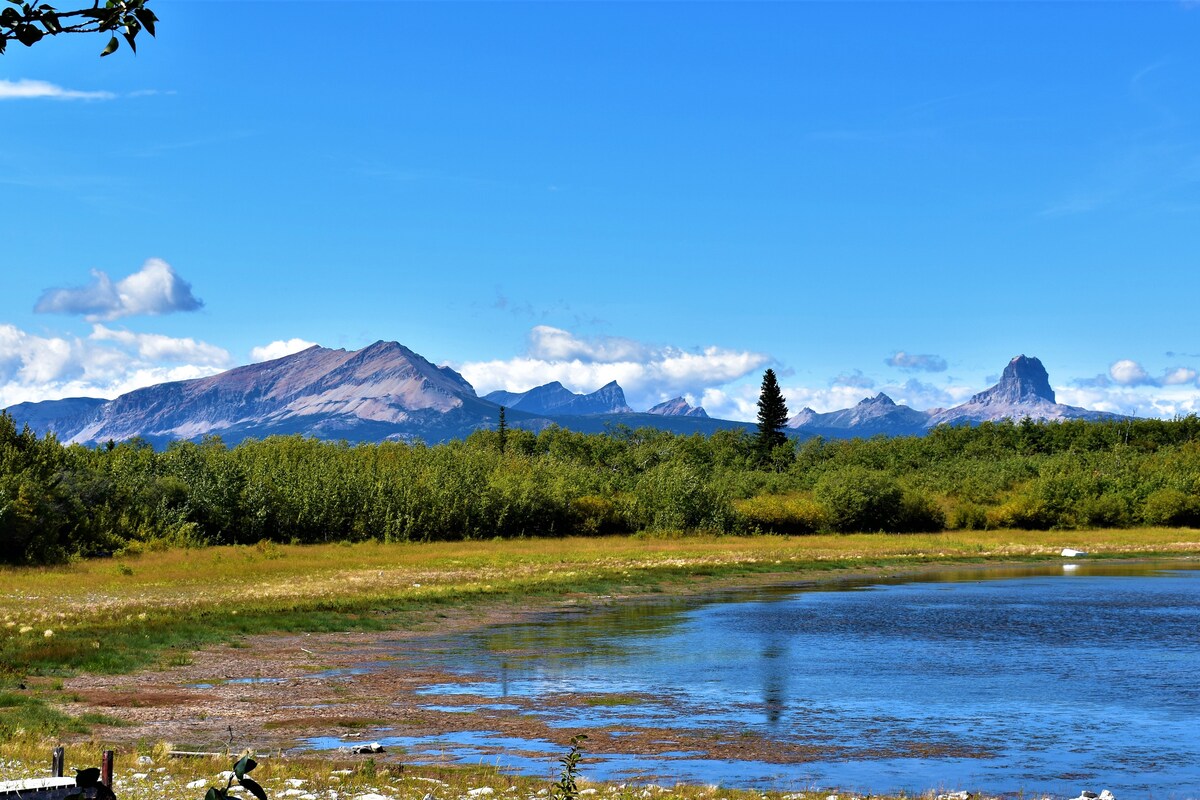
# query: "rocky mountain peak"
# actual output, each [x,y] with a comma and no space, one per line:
[880,399]
[677,407]
[1023,380]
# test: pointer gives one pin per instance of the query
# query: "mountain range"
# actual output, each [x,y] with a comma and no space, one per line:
[388,392]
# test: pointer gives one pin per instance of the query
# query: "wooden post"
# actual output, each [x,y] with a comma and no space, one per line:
[56,763]
[106,768]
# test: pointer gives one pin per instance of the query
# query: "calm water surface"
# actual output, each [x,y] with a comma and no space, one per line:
[1050,679]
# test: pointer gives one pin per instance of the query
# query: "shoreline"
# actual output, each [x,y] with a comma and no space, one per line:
[207,698]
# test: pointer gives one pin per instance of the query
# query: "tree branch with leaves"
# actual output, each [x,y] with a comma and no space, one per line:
[29,23]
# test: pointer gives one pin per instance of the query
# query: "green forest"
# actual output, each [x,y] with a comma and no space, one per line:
[61,502]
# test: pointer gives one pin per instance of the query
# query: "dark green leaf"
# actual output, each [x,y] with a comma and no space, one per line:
[254,788]
[147,18]
[213,794]
[113,44]
[129,38]
[245,764]
[50,21]
[28,35]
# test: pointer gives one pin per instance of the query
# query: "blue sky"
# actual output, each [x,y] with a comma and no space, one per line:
[866,197]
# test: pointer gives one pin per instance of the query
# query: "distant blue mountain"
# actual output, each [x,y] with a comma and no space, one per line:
[388,392]
[554,399]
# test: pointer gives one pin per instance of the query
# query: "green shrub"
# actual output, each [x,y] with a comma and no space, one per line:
[1172,508]
[919,513]
[1024,512]
[969,517]
[782,513]
[858,499]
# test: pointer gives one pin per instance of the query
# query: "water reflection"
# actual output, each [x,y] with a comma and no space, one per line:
[1049,676]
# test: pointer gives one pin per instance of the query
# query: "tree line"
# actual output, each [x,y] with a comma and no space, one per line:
[58,502]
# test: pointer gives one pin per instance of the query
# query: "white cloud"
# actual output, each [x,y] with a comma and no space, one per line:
[106,363]
[913,362]
[1179,376]
[647,373]
[555,344]
[1138,401]
[1129,373]
[157,347]
[26,89]
[153,290]
[279,349]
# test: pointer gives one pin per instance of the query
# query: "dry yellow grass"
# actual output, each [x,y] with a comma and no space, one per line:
[281,576]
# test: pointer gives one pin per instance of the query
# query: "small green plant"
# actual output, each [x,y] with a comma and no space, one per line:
[243,766]
[566,789]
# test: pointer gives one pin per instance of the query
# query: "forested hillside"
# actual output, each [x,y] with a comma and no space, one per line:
[59,502]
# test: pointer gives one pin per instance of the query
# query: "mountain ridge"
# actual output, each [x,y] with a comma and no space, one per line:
[386,391]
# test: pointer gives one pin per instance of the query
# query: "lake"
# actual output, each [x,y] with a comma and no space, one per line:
[1036,679]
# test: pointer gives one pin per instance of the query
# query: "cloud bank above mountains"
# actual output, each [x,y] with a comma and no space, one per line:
[106,360]
[649,374]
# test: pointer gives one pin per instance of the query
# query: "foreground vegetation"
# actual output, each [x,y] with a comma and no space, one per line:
[152,609]
[58,502]
[147,773]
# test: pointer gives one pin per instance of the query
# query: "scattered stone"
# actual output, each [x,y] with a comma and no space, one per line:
[954,796]
[371,796]
[295,783]
[368,747]
[292,792]
[198,784]
[139,776]
[481,791]
[145,760]
[1069,553]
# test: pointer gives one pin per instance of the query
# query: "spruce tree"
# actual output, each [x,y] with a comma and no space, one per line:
[772,417]
[502,429]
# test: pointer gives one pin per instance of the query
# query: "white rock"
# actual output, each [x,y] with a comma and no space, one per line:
[308,797]
[295,782]
[197,784]
[139,776]
[145,760]
[226,775]
[370,796]
[483,790]
[1070,553]
[586,792]
[292,792]
[1106,795]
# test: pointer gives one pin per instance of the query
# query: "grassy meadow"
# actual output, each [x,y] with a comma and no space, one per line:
[151,609]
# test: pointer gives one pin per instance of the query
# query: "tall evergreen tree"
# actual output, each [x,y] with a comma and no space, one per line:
[772,416]
[502,429]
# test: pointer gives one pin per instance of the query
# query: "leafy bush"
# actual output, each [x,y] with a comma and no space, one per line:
[781,513]
[859,499]
[1171,507]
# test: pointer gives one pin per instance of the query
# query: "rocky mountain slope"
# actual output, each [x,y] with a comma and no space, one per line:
[1023,391]
[386,391]
[873,415]
[554,399]
[677,407]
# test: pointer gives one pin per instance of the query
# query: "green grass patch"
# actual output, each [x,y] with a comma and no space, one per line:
[608,700]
